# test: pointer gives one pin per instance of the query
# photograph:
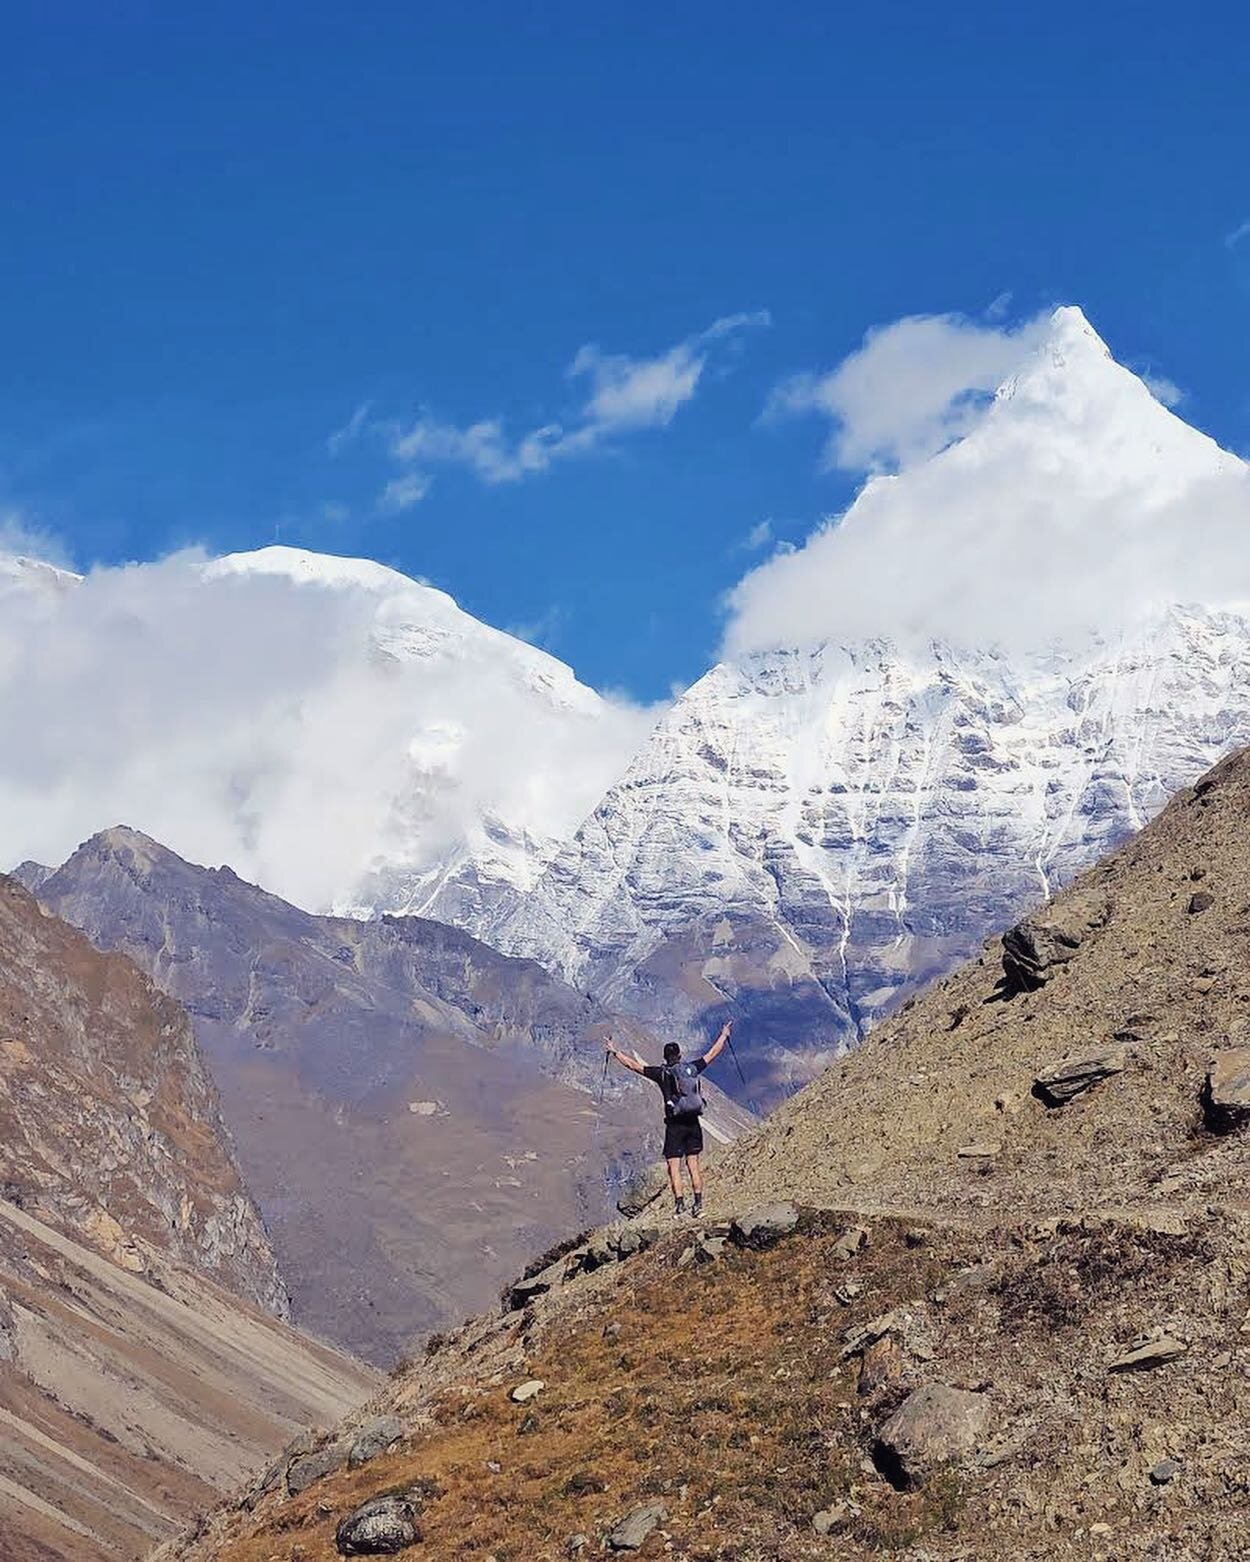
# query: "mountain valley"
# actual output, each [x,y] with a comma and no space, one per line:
[413,1112]
[978,1292]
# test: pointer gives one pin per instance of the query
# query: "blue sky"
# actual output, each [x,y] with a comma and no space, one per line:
[228,230]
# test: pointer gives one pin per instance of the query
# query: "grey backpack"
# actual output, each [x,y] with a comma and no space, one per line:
[683,1090]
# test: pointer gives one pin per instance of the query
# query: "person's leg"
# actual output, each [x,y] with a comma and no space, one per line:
[674,1179]
[696,1175]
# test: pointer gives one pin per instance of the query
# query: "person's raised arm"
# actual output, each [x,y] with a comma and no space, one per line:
[718,1046]
[624,1057]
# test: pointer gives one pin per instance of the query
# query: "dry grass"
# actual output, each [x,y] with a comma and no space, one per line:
[718,1388]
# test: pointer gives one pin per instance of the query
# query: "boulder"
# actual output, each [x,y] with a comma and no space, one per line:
[1226,1093]
[302,1472]
[1061,1081]
[881,1365]
[765,1225]
[1164,1472]
[522,1292]
[375,1437]
[1147,1352]
[1199,902]
[853,1240]
[629,1240]
[933,1427]
[600,1250]
[379,1528]
[524,1392]
[631,1533]
[708,1249]
[642,1192]
[1033,952]
[276,1472]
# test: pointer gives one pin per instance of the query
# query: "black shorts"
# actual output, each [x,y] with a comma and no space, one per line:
[682,1136]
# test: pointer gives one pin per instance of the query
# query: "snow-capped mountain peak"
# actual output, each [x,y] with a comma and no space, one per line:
[331,728]
[850,801]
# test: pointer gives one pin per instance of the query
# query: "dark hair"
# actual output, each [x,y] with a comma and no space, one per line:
[671,1052]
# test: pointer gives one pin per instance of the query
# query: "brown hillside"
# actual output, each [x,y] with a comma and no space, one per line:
[109,1122]
[1063,1309]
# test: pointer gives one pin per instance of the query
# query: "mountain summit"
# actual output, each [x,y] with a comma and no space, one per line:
[343,734]
[849,801]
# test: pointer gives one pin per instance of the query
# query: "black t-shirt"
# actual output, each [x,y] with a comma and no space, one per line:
[662,1074]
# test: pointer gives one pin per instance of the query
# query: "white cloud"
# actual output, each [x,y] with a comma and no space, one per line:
[1075,501]
[351,430]
[402,493]
[760,535]
[1162,389]
[912,388]
[1236,235]
[239,717]
[19,535]
[631,393]
[481,447]
[623,395]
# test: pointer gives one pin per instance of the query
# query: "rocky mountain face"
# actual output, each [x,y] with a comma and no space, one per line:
[414,1112]
[810,832]
[144,1369]
[110,1126]
[979,1291]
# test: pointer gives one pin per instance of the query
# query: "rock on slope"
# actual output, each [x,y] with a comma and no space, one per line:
[139,1376]
[414,1113]
[813,830]
[987,1325]
[109,1123]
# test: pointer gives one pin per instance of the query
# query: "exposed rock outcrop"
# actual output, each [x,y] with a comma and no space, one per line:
[110,1126]
[1058,1083]
[1226,1089]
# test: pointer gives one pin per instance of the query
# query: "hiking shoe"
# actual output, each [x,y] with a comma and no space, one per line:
[696,1209]
[679,1207]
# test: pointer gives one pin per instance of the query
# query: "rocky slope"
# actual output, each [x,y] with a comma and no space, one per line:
[142,1368]
[810,832]
[110,1126]
[1002,1317]
[414,1113]
[127,1406]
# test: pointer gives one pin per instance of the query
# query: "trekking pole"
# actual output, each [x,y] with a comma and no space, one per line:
[733,1053]
[603,1082]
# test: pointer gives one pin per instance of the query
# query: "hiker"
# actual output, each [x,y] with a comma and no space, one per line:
[678,1080]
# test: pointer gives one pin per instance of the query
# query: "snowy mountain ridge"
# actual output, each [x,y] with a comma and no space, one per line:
[914,732]
[815,827]
[819,829]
